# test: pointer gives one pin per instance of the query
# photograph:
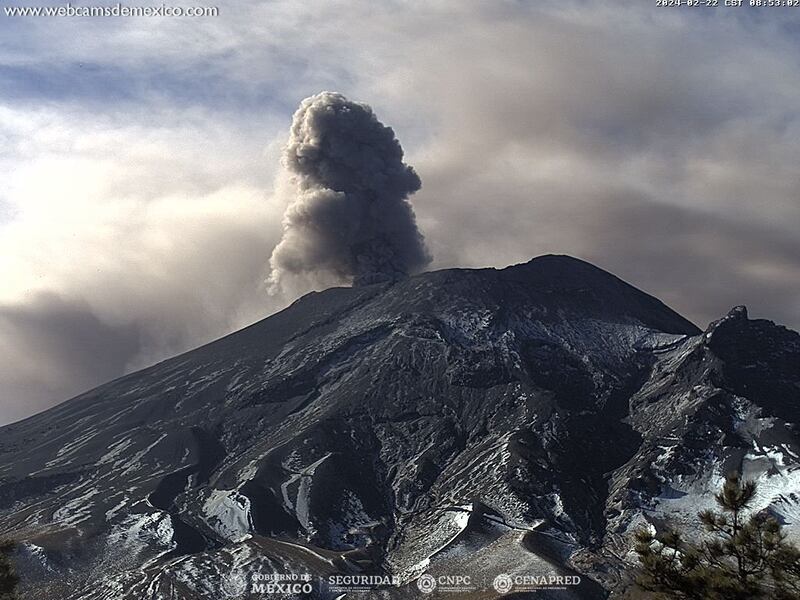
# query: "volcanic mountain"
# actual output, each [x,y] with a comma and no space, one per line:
[522,421]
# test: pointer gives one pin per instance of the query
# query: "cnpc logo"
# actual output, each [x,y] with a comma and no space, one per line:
[427,583]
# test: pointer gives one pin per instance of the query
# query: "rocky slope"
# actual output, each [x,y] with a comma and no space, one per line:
[520,421]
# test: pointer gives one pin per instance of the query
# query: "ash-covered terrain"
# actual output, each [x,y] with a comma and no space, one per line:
[477,422]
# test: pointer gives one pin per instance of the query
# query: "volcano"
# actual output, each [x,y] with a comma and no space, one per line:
[458,425]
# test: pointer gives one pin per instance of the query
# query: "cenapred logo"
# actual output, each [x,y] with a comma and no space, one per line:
[503,583]
[426,583]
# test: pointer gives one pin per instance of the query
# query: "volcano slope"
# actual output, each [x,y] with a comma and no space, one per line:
[523,421]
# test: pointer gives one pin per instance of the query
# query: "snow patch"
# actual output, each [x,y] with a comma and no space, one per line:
[228,514]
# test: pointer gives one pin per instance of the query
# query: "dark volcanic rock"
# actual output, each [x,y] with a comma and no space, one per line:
[433,424]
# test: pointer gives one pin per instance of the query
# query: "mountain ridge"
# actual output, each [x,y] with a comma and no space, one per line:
[397,428]
[368,291]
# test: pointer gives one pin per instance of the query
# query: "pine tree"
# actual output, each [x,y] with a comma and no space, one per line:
[8,577]
[744,556]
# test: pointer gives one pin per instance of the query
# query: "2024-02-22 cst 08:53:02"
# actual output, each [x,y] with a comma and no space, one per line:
[730,3]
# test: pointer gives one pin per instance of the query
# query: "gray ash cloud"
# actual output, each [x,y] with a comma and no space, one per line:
[349,215]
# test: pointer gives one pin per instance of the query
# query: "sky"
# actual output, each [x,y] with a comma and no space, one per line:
[140,194]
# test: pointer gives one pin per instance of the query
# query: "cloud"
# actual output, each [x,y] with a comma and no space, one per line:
[349,215]
[698,255]
[142,191]
[125,236]
[579,129]
[54,346]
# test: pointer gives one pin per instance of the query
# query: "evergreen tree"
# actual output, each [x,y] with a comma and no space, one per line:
[743,557]
[8,577]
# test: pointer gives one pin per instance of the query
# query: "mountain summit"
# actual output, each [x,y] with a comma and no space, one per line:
[518,421]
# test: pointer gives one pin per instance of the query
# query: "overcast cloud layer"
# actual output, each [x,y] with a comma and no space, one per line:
[141,193]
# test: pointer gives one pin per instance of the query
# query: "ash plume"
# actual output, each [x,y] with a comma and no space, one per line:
[349,218]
